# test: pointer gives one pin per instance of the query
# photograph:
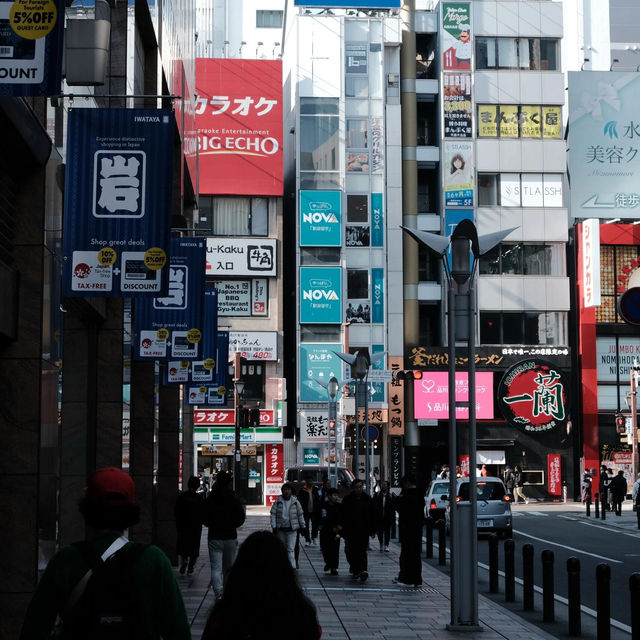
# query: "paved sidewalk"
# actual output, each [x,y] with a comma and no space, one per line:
[375,609]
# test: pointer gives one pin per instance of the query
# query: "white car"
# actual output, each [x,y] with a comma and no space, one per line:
[494,505]
[435,506]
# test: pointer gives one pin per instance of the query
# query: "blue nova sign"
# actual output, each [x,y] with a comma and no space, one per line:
[320,295]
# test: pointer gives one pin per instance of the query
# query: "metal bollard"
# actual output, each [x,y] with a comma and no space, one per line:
[597,505]
[573,575]
[429,547]
[493,564]
[603,601]
[442,543]
[634,588]
[588,503]
[527,577]
[509,571]
[548,602]
[603,511]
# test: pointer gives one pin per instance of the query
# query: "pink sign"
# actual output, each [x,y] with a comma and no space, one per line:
[431,395]
[554,474]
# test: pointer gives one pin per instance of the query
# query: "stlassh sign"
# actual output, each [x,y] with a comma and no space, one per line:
[534,395]
[239,122]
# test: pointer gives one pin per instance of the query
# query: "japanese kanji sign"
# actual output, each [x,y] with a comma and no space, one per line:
[239,121]
[273,471]
[222,417]
[241,257]
[591,262]
[396,398]
[314,426]
[533,395]
[117,202]
[554,474]
[456,105]
[604,138]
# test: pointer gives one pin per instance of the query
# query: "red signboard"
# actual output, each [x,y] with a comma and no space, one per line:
[239,122]
[554,474]
[274,471]
[227,417]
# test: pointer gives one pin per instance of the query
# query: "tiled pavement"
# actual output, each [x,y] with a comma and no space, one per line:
[375,609]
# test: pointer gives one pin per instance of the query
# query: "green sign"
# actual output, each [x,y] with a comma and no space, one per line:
[310,456]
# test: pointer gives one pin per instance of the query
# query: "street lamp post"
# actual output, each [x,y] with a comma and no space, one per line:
[332,389]
[464,243]
[238,385]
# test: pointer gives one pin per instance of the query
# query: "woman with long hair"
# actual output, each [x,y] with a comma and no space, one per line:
[263,579]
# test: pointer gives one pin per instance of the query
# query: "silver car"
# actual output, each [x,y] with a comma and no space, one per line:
[494,505]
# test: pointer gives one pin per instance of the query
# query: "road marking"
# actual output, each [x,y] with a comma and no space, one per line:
[537,514]
[614,530]
[396,590]
[587,610]
[564,546]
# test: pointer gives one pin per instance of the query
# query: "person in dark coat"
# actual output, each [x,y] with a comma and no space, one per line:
[509,480]
[410,507]
[330,528]
[384,514]
[309,500]
[358,525]
[223,514]
[188,514]
[603,486]
[618,488]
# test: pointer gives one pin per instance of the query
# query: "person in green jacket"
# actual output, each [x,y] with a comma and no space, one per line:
[108,508]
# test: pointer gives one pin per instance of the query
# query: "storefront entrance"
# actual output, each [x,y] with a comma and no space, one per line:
[251,480]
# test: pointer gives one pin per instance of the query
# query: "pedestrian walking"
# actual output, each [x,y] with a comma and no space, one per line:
[509,480]
[410,508]
[484,471]
[586,488]
[635,494]
[330,530]
[287,519]
[223,514]
[188,515]
[75,597]
[444,473]
[603,486]
[309,499]
[358,526]
[384,514]
[618,488]
[518,486]
[263,578]
[609,492]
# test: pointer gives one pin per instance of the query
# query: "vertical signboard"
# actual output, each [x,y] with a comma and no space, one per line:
[318,362]
[171,327]
[117,202]
[31,41]
[274,472]
[320,295]
[591,262]
[377,220]
[456,36]
[604,162]
[457,105]
[377,296]
[458,173]
[395,460]
[396,398]
[239,122]
[554,474]
[320,218]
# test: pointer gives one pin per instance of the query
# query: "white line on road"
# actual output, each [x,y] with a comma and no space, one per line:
[607,529]
[564,546]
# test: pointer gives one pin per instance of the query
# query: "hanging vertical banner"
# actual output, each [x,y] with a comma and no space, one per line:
[212,393]
[274,472]
[456,36]
[456,103]
[458,173]
[31,42]
[320,295]
[377,296]
[395,460]
[591,262]
[554,474]
[396,398]
[117,202]
[377,220]
[320,218]
[171,327]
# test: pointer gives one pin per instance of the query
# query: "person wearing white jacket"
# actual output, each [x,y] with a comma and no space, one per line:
[287,517]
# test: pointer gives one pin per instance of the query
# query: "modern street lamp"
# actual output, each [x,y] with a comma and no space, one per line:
[238,385]
[360,362]
[464,242]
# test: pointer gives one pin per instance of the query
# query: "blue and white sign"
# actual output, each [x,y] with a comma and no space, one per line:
[213,393]
[377,220]
[377,296]
[604,143]
[31,41]
[320,218]
[117,202]
[356,4]
[453,217]
[171,327]
[318,362]
[320,295]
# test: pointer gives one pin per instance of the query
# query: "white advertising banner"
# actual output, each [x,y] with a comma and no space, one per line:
[254,345]
[241,256]
[591,262]
[314,426]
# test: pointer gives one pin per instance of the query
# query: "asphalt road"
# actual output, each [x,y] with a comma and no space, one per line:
[569,534]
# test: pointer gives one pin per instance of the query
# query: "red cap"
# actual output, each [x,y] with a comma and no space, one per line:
[110,487]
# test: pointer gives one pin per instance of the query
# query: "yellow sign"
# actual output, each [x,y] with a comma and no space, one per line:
[203,389]
[209,363]
[184,364]
[155,258]
[33,19]
[222,390]
[194,335]
[107,256]
[487,121]
[530,121]
[551,122]
[508,115]
[162,334]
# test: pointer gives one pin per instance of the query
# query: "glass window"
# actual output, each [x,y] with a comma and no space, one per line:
[482,53]
[259,216]
[357,135]
[316,180]
[548,54]
[231,216]
[524,53]
[358,283]
[318,106]
[511,259]
[268,19]
[488,189]
[357,208]
[356,87]
[319,140]
[537,260]
[490,262]
[507,53]
[490,328]
[523,328]
[319,333]
[321,256]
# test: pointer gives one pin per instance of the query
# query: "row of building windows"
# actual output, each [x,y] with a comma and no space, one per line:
[520,259]
[533,54]
[520,189]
